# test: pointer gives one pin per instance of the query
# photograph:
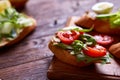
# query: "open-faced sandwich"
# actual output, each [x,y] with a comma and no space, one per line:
[73,45]
[14,26]
[104,23]
[102,19]
[81,47]
[108,23]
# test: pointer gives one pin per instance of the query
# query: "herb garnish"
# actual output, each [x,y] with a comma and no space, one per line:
[77,47]
[113,18]
[12,23]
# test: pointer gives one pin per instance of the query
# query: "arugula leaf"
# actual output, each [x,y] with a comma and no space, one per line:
[88,39]
[82,57]
[77,46]
[76,29]
[106,15]
[62,45]
[83,30]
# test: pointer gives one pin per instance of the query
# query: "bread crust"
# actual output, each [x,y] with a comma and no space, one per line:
[115,50]
[18,4]
[22,34]
[101,26]
[64,56]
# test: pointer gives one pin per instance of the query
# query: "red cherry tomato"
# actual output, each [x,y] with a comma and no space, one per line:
[96,51]
[81,33]
[68,37]
[103,39]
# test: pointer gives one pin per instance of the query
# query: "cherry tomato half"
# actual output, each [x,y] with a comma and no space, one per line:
[103,39]
[96,51]
[68,37]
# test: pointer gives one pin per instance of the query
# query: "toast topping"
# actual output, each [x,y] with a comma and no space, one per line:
[12,23]
[80,44]
[113,18]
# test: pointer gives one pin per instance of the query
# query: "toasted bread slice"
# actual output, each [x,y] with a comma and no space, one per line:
[65,56]
[101,26]
[21,35]
[115,50]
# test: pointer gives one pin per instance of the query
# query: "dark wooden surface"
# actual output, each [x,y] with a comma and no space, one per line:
[30,58]
[61,71]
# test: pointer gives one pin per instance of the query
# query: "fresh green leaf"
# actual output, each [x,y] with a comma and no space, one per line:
[88,39]
[117,22]
[76,29]
[80,57]
[11,20]
[62,45]
[106,15]
[77,46]
[83,30]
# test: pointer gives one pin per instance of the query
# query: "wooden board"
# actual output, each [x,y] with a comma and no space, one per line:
[62,71]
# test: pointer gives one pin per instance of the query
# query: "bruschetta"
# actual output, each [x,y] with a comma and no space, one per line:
[103,23]
[72,45]
[14,26]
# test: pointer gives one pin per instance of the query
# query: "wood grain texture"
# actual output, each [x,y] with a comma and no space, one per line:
[29,71]
[59,70]
[29,59]
[62,71]
[96,72]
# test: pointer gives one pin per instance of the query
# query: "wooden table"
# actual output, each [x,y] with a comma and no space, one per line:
[30,58]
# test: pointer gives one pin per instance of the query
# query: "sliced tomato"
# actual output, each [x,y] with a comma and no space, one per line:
[81,33]
[68,37]
[96,51]
[103,39]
